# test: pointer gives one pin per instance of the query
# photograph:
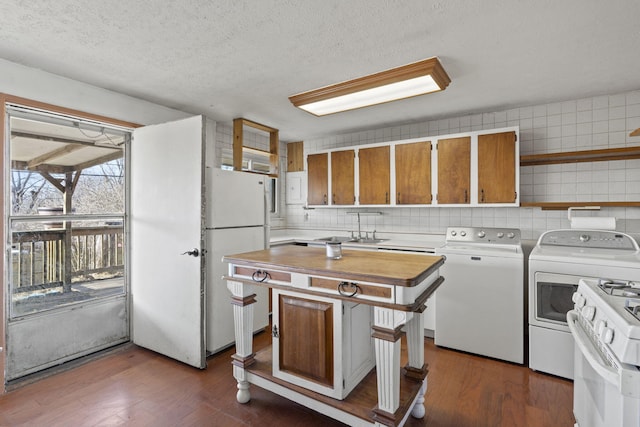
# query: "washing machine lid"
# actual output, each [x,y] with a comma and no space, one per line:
[506,251]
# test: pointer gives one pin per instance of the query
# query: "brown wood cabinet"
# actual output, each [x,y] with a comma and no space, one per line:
[318,179]
[497,168]
[295,157]
[306,338]
[454,170]
[342,177]
[321,343]
[375,173]
[472,169]
[413,173]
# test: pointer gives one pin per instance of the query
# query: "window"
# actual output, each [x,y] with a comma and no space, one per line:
[66,221]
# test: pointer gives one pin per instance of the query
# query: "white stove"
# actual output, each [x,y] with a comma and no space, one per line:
[605,324]
[608,308]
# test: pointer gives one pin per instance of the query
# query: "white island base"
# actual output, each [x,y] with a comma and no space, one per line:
[355,410]
[388,394]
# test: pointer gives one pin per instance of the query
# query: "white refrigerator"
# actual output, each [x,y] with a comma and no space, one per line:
[237,221]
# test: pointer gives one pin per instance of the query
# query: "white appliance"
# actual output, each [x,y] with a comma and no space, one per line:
[556,265]
[237,221]
[605,324]
[480,305]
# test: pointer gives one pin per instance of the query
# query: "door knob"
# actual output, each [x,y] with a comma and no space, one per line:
[195,252]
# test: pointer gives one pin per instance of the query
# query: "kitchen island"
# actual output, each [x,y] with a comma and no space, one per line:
[325,314]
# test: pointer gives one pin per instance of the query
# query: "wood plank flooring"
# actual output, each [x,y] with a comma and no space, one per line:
[134,386]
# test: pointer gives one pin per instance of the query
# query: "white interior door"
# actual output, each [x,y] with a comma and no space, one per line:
[167,220]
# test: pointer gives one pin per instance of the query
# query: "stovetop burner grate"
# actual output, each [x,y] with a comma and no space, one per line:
[634,310]
[619,288]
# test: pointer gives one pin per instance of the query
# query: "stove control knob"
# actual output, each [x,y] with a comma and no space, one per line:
[607,335]
[589,312]
[511,235]
[463,233]
[578,300]
[453,233]
[585,237]
[481,234]
[500,234]
[600,326]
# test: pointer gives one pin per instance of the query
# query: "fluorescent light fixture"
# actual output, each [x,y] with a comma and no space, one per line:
[410,80]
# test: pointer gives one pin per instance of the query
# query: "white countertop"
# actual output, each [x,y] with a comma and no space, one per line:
[392,241]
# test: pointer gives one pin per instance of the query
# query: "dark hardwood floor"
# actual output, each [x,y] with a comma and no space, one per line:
[134,386]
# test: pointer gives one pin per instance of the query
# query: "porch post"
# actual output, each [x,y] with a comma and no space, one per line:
[67,197]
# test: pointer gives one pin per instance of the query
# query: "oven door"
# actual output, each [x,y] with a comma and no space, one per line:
[552,299]
[606,393]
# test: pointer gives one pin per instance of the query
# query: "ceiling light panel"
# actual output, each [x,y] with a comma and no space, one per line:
[410,80]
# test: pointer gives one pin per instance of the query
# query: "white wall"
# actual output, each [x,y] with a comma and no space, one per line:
[582,124]
[45,87]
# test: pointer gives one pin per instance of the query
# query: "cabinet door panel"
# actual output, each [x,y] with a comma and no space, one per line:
[497,168]
[454,170]
[306,338]
[374,175]
[413,173]
[318,179]
[342,177]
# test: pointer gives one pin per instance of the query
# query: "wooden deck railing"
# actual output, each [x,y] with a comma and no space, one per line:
[38,256]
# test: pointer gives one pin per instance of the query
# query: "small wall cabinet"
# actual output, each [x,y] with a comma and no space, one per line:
[295,156]
[478,168]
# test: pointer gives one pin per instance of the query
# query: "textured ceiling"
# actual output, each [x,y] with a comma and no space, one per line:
[233,58]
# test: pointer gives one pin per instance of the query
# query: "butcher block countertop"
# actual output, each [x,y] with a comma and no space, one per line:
[397,269]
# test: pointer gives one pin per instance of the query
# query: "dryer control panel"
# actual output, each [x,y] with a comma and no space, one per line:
[597,239]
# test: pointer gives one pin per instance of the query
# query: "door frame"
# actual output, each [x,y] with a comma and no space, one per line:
[4,99]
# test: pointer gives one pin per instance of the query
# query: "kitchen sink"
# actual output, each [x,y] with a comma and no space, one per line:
[368,240]
[345,239]
[336,239]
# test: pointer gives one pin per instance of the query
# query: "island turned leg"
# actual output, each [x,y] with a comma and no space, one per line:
[416,369]
[387,330]
[243,298]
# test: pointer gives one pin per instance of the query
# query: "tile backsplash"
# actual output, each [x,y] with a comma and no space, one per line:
[583,124]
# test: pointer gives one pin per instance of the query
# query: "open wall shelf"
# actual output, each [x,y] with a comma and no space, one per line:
[561,206]
[607,154]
